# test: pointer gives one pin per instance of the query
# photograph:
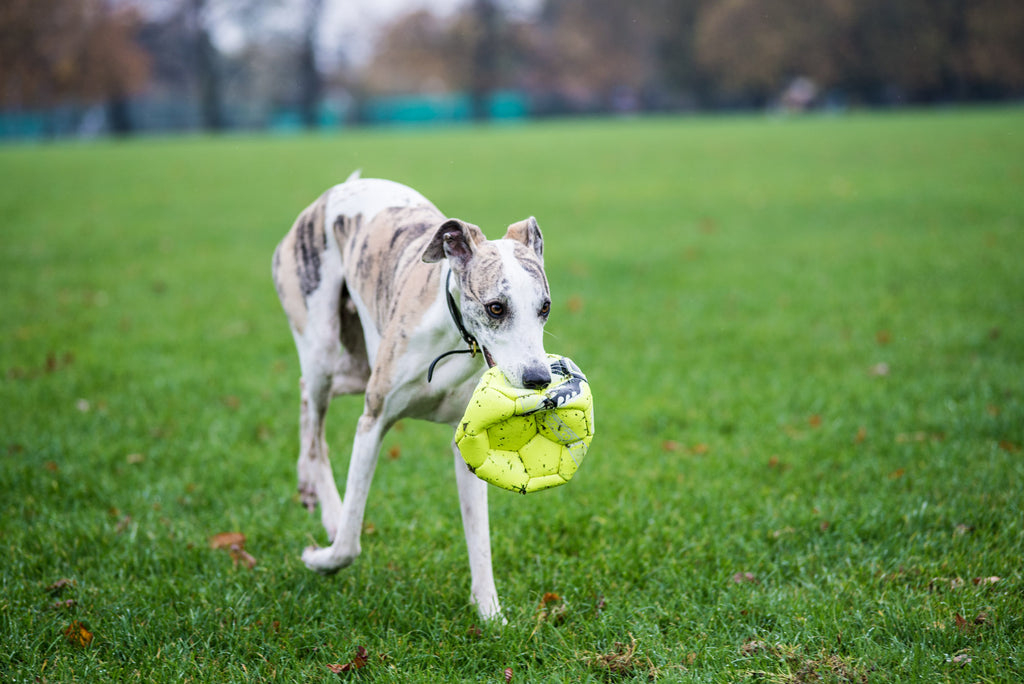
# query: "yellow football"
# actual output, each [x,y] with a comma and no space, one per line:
[526,440]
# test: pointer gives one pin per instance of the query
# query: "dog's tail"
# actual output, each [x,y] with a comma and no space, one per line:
[355,175]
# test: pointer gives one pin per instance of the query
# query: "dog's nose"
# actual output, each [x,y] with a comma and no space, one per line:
[536,377]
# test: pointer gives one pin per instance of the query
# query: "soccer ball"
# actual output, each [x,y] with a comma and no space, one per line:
[527,440]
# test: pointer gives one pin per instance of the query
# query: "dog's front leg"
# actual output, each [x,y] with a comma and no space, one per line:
[345,547]
[473,502]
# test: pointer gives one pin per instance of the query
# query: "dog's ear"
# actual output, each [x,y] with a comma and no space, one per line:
[528,232]
[456,240]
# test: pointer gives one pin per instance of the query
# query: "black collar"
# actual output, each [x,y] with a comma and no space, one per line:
[456,315]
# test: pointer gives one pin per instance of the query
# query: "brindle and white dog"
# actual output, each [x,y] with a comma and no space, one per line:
[362,276]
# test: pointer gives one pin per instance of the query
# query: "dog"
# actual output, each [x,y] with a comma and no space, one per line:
[379,286]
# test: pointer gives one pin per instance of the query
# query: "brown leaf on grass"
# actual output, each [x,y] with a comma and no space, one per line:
[60,585]
[123,524]
[671,445]
[862,434]
[745,578]
[981,581]
[360,660]
[240,555]
[232,402]
[394,452]
[225,540]
[699,449]
[51,466]
[552,609]
[77,634]
[1009,447]
[897,474]
[752,646]
[623,661]
[883,337]
[508,675]
[814,421]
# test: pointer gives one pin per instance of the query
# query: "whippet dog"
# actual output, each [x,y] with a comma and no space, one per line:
[377,284]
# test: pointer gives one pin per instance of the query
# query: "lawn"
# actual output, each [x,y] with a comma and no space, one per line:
[805,338]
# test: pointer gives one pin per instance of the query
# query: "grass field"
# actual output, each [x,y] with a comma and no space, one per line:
[805,339]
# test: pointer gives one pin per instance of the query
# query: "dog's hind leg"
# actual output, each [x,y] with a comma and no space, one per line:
[348,524]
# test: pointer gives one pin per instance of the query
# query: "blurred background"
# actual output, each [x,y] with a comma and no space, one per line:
[120,67]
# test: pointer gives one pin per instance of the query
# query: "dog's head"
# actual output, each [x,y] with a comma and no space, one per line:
[505,296]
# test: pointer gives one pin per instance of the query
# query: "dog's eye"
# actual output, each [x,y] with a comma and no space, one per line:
[545,309]
[495,309]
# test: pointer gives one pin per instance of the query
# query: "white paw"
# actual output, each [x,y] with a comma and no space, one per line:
[490,610]
[327,560]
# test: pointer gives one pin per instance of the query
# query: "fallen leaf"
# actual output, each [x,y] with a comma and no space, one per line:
[357,663]
[549,597]
[699,449]
[670,445]
[985,580]
[60,585]
[77,634]
[622,662]
[773,462]
[897,474]
[962,529]
[883,337]
[552,609]
[814,421]
[752,646]
[862,434]
[394,452]
[240,555]
[961,623]
[745,578]
[1009,447]
[232,402]
[940,583]
[962,659]
[508,675]
[225,540]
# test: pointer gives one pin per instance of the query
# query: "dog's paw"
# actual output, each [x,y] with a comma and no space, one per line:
[326,560]
[489,609]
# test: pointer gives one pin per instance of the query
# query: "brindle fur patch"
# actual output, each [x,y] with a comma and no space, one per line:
[296,265]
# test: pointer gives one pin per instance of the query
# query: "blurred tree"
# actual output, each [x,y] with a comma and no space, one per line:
[57,50]
[485,55]
[419,53]
[206,65]
[600,53]
[309,75]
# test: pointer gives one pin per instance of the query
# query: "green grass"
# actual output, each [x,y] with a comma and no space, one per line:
[805,339]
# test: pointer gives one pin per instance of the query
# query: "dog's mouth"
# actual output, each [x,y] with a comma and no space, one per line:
[488,358]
